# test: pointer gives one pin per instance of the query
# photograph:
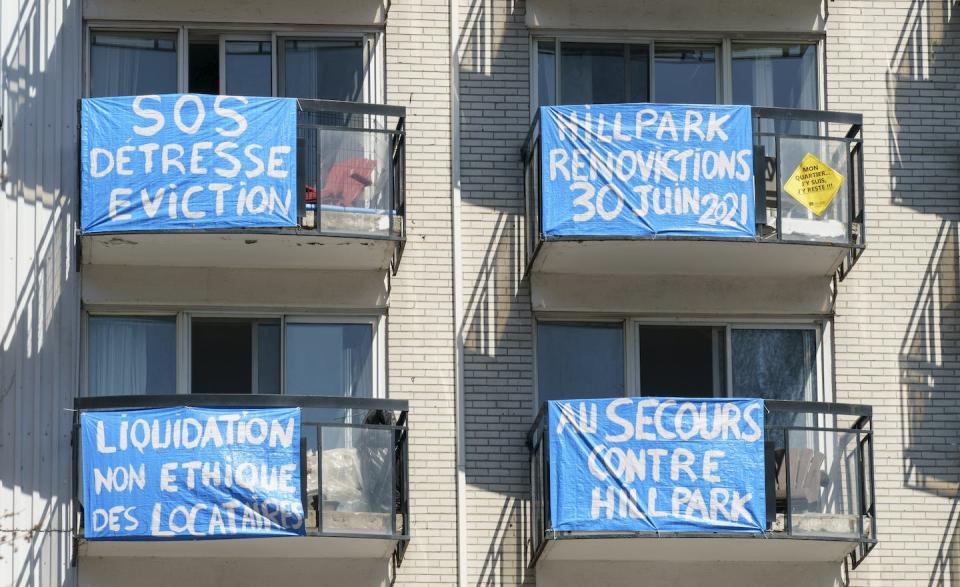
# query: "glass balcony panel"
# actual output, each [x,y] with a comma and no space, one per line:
[355,183]
[800,222]
[358,480]
[824,483]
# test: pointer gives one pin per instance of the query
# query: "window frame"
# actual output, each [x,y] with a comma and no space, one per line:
[184,318]
[723,45]
[822,327]
[372,39]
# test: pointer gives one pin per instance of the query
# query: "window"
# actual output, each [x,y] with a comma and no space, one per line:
[784,76]
[329,359]
[234,355]
[579,360]
[131,355]
[684,361]
[130,63]
[685,75]
[248,67]
[597,72]
[327,69]
[203,68]
[336,67]
[593,73]
[775,364]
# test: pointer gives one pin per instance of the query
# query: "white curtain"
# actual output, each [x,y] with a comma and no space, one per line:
[129,64]
[131,355]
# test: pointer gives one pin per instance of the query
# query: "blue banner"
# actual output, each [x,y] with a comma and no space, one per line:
[191,473]
[647,170]
[657,465]
[187,162]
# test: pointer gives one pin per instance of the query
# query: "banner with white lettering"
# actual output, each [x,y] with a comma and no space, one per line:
[657,465]
[647,170]
[187,162]
[191,473]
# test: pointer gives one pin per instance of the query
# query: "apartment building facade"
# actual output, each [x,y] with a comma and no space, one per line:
[430,296]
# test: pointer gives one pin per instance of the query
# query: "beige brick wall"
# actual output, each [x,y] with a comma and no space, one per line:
[896,316]
[421,339]
[494,90]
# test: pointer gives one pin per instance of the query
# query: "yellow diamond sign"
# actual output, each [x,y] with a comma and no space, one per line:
[814,184]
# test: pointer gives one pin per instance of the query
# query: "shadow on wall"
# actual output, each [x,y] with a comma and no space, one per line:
[929,398]
[39,85]
[498,365]
[923,140]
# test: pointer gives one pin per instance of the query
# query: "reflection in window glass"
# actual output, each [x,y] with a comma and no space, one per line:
[579,360]
[685,75]
[784,76]
[326,69]
[775,364]
[248,69]
[638,73]
[329,359]
[268,357]
[131,355]
[592,73]
[132,63]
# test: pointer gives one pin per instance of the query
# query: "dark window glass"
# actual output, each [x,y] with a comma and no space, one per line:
[579,360]
[132,63]
[681,361]
[204,67]
[638,73]
[592,73]
[547,72]
[268,357]
[221,352]
[685,75]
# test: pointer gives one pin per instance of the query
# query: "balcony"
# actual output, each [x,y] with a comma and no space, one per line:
[349,205]
[354,480]
[825,513]
[790,239]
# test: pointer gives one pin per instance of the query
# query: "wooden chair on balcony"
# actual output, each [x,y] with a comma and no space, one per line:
[807,476]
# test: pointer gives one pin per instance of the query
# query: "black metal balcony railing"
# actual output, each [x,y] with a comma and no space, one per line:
[825,450]
[351,173]
[354,459]
[781,136]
